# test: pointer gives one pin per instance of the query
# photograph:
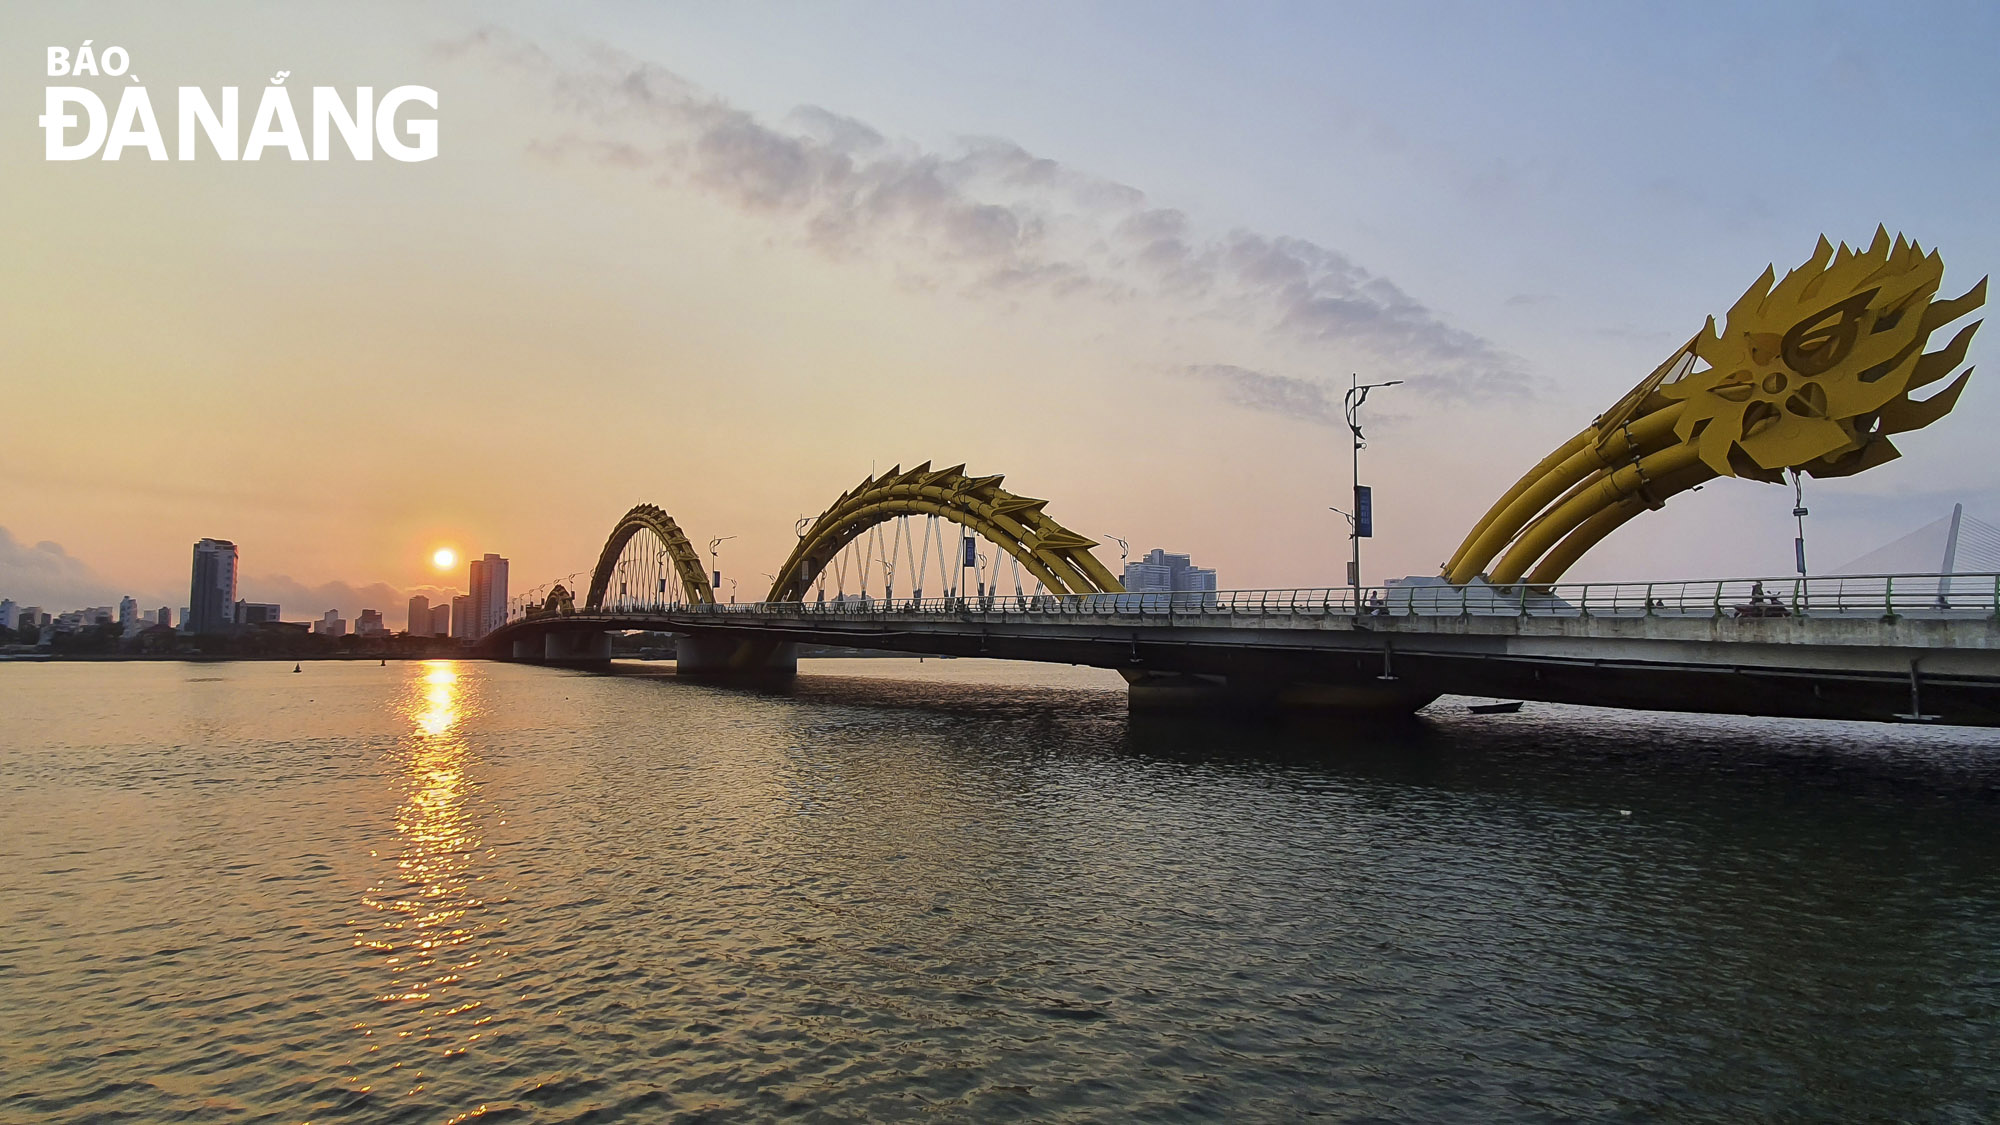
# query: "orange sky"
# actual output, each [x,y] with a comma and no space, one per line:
[582,304]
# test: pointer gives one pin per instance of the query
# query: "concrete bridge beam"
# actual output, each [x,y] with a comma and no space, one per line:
[1171,691]
[713,654]
[585,650]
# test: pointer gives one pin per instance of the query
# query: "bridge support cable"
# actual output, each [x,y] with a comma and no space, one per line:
[1058,558]
[663,558]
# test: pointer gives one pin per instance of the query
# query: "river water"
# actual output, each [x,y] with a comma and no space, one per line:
[967,891]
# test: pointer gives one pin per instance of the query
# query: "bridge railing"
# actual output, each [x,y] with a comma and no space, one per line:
[1876,596]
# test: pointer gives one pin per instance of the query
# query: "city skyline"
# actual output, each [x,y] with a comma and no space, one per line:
[1085,288]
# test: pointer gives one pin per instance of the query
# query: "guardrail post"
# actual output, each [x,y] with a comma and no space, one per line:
[1889,598]
[1583,601]
[1649,599]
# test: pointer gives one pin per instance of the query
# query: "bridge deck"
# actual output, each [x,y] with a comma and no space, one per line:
[1841,657]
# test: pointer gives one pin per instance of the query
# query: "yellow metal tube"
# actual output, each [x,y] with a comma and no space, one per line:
[1607,520]
[1562,454]
[1588,457]
[1560,521]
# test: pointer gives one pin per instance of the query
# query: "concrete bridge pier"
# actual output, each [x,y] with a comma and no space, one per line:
[726,656]
[528,650]
[577,650]
[1184,691]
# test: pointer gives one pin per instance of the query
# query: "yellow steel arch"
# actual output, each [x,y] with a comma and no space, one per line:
[1058,557]
[687,563]
[559,601]
[1809,375]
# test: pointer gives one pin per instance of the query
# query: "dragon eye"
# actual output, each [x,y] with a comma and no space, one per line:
[1818,343]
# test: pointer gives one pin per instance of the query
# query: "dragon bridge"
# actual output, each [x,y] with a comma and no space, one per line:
[1057,557]
[1812,375]
[674,559]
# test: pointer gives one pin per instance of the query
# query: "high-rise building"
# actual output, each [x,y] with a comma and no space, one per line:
[167,616]
[419,620]
[461,617]
[10,614]
[256,613]
[440,620]
[128,612]
[489,595]
[212,589]
[332,625]
[369,624]
[1161,573]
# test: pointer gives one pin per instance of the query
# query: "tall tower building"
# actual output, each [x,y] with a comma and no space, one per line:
[489,595]
[461,617]
[212,588]
[420,617]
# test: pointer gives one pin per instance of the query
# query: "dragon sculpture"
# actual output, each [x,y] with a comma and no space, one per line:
[559,601]
[1812,375]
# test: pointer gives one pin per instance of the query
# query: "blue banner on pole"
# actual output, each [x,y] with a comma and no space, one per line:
[1364,511]
[971,551]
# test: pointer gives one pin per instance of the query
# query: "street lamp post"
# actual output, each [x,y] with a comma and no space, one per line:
[1799,514]
[714,564]
[1362,521]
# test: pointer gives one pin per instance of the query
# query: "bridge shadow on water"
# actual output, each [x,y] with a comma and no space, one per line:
[1803,907]
[1751,773]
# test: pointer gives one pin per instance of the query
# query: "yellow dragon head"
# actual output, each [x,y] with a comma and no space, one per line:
[1815,373]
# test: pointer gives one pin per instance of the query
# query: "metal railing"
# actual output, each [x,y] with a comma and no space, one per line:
[1878,596]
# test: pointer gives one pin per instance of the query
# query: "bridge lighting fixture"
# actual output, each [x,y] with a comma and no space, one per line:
[1361,520]
[715,565]
[1799,514]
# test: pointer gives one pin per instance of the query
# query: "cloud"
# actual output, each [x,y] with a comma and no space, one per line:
[50,577]
[990,217]
[1304,399]
[299,601]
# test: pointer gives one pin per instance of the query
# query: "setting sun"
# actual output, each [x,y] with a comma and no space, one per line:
[444,558]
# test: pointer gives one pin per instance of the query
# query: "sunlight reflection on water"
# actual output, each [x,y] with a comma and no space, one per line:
[966,891]
[430,924]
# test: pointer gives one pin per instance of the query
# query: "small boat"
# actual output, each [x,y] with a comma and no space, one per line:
[295,667]
[1494,708]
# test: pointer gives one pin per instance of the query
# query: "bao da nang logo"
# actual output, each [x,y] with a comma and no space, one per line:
[77,124]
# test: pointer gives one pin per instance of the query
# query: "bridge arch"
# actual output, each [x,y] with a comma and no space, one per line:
[673,542]
[1058,557]
[559,602]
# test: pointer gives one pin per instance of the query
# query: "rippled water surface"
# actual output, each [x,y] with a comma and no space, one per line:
[962,891]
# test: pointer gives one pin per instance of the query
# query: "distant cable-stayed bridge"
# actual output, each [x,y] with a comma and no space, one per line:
[1957,543]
